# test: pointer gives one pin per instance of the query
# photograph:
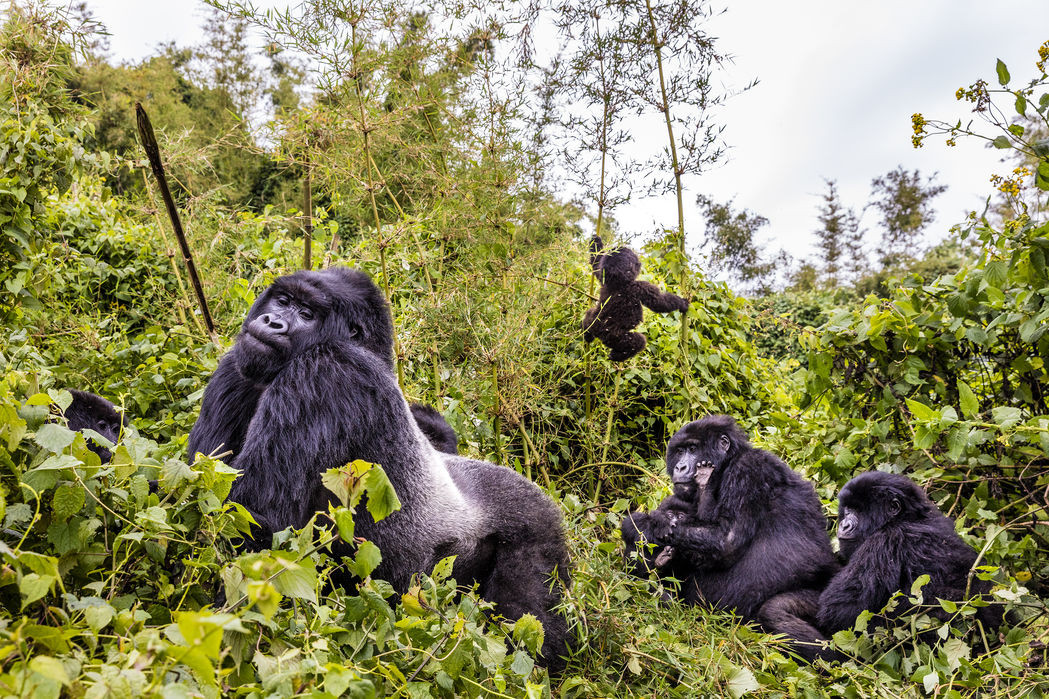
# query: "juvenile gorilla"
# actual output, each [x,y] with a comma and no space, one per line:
[618,309]
[92,412]
[308,386]
[890,533]
[435,428]
[757,529]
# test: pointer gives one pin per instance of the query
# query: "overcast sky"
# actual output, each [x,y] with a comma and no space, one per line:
[838,82]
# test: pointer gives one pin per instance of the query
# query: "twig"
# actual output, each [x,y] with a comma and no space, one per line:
[149,143]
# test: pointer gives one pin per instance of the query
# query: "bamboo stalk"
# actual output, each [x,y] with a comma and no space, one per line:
[149,143]
[307,224]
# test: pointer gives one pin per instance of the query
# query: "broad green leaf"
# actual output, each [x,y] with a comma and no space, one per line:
[1002,142]
[298,580]
[970,403]
[68,500]
[1006,416]
[382,500]
[1021,104]
[54,438]
[529,630]
[995,272]
[741,681]
[366,561]
[922,412]
[931,679]
[522,664]
[34,586]
[1003,73]
[51,668]
[343,522]
[99,616]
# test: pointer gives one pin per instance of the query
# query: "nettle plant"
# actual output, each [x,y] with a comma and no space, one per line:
[125,578]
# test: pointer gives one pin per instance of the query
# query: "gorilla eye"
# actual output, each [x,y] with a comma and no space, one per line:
[282,300]
[306,314]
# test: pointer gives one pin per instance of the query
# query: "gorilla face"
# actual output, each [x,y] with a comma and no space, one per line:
[873,500]
[283,323]
[698,448]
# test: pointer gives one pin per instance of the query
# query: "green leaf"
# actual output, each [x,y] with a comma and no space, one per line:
[1021,104]
[51,668]
[68,500]
[54,438]
[99,616]
[1003,73]
[298,580]
[366,561]
[1002,142]
[931,679]
[529,630]
[1006,416]
[741,681]
[995,272]
[443,570]
[922,412]
[382,500]
[34,586]
[522,664]
[970,403]
[343,522]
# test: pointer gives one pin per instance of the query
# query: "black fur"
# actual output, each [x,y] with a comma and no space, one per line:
[618,310]
[757,530]
[298,395]
[891,533]
[92,412]
[436,428]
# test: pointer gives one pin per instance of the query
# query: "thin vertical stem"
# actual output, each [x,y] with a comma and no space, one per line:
[307,224]
[657,46]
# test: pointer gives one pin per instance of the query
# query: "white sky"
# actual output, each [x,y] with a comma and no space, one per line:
[839,80]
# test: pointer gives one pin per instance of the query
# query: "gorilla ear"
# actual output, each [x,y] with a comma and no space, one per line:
[724,443]
[895,506]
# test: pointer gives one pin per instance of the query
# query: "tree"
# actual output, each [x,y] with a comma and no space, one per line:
[729,237]
[904,201]
[839,239]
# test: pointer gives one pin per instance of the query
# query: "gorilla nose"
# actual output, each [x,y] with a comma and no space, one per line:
[274,322]
[845,528]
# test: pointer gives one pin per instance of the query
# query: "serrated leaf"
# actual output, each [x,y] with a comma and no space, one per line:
[1006,416]
[298,580]
[522,664]
[969,402]
[443,570]
[343,522]
[741,681]
[995,272]
[34,586]
[1003,73]
[529,630]
[54,438]
[51,668]
[366,561]
[382,499]
[931,679]
[67,501]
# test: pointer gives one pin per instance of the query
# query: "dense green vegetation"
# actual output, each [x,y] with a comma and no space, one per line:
[429,174]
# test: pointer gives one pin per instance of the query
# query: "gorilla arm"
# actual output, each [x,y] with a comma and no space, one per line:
[313,416]
[657,300]
[227,409]
[865,583]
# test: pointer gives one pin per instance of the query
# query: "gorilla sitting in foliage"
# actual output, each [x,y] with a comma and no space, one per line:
[757,529]
[92,412]
[435,428]
[890,533]
[309,386]
[618,309]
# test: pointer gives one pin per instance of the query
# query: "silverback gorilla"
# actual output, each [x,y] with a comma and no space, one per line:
[756,528]
[308,386]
